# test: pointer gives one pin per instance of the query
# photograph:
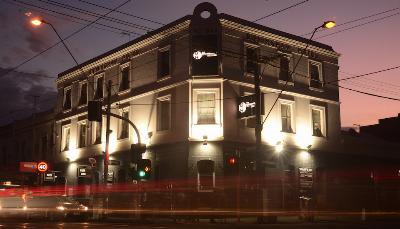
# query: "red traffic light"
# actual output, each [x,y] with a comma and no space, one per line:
[232,160]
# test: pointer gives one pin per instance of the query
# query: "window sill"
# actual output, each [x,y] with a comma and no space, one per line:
[123,92]
[319,136]
[284,82]
[316,89]
[163,131]
[67,111]
[288,132]
[122,139]
[167,77]
[82,106]
[206,190]
[248,74]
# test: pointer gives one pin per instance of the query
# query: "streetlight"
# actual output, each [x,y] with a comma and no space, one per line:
[39,21]
[257,93]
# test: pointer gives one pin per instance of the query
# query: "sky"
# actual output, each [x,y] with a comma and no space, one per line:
[368,41]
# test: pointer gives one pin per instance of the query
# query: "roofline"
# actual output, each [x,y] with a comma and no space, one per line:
[123,46]
[274,31]
[189,17]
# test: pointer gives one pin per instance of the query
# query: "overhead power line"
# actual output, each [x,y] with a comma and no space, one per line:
[124,13]
[94,14]
[65,18]
[358,19]
[75,17]
[67,37]
[356,26]
[280,11]
[370,94]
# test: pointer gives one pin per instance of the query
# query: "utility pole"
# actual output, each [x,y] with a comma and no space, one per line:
[107,150]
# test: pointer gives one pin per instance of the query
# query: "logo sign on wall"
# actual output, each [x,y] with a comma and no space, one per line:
[42,166]
[246,106]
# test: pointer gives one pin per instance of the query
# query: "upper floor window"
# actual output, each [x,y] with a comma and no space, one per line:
[164,113]
[287,116]
[66,134]
[82,128]
[67,98]
[83,93]
[251,65]
[318,121]
[124,125]
[97,129]
[206,108]
[44,143]
[124,79]
[99,82]
[164,62]
[315,74]
[284,69]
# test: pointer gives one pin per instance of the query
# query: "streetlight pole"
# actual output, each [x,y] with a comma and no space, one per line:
[259,124]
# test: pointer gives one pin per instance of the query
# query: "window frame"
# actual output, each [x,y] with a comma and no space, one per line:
[159,100]
[161,77]
[64,146]
[80,125]
[291,104]
[94,136]
[96,80]
[256,48]
[322,118]
[80,93]
[122,122]
[217,113]
[122,67]
[290,69]
[321,78]
[69,88]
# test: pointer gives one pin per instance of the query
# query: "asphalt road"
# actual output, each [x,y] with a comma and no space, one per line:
[325,225]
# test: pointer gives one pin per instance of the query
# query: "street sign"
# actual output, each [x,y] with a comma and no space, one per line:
[49,176]
[28,167]
[42,166]
[84,171]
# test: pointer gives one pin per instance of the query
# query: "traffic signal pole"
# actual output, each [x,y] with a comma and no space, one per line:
[107,149]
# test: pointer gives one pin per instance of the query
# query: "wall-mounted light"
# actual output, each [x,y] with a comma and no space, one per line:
[279,147]
[205,142]
[304,155]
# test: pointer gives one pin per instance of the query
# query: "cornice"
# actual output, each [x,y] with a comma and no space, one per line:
[125,51]
[254,31]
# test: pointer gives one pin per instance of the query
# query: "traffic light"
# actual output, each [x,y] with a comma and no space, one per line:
[144,169]
[136,151]
[94,111]
[231,165]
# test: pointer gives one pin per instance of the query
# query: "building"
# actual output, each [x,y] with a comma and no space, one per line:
[28,140]
[184,86]
[387,129]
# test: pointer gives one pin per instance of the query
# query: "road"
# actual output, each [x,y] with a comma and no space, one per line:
[325,225]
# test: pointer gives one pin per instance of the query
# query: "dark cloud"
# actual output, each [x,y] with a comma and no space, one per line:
[17,90]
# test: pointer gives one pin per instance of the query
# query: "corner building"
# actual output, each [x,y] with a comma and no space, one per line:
[181,86]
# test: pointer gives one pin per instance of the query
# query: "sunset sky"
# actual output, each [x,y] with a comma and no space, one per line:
[372,45]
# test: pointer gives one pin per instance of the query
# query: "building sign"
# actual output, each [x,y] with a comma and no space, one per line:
[84,171]
[110,177]
[246,107]
[199,54]
[49,176]
[42,166]
[28,167]
[305,180]
[204,53]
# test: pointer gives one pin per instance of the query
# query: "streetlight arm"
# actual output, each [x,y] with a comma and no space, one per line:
[62,41]
[124,119]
